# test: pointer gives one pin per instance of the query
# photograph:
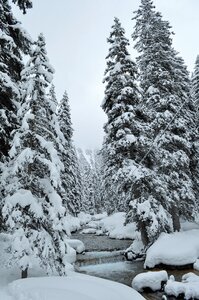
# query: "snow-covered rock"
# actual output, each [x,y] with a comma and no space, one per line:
[74,287]
[176,249]
[136,250]
[151,280]
[189,287]
[77,245]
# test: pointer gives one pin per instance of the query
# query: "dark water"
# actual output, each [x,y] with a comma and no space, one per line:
[101,243]
[111,265]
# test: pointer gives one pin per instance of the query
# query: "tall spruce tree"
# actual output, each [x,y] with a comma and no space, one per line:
[163,79]
[71,180]
[14,42]
[33,210]
[120,103]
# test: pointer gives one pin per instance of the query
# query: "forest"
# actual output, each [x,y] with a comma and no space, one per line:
[140,188]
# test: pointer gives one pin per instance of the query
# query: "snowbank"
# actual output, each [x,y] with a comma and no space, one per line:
[98,217]
[74,287]
[84,218]
[74,223]
[114,227]
[77,245]
[151,280]
[176,249]
[189,287]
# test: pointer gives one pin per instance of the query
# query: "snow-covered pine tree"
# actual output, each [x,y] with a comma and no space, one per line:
[122,128]
[71,180]
[195,98]
[14,42]
[86,171]
[163,79]
[33,211]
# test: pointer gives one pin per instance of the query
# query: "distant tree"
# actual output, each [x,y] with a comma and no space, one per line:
[71,180]
[33,211]
[88,189]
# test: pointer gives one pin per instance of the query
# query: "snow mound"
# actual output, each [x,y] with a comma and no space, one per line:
[189,287]
[98,217]
[77,245]
[136,249]
[74,287]
[73,223]
[89,231]
[84,218]
[176,249]
[151,280]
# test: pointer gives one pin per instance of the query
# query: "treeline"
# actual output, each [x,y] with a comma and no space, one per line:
[42,180]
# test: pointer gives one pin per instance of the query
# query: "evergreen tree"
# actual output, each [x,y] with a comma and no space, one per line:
[88,193]
[163,79]
[14,43]
[195,97]
[122,128]
[71,181]
[33,211]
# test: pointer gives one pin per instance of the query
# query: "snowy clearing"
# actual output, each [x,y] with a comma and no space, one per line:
[176,249]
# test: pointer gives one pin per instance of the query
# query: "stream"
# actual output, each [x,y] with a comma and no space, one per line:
[104,258]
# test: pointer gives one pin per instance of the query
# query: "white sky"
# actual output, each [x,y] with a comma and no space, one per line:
[76,32]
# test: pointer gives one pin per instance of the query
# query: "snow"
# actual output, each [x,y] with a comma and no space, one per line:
[189,287]
[178,249]
[152,280]
[89,231]
[113,225]
[98,217]
[84,218]
[136,249]
[77,245]
[74,287]
[73,223]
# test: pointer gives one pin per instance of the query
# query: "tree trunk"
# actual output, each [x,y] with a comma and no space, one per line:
[24,273]
[175,218]
[144,235]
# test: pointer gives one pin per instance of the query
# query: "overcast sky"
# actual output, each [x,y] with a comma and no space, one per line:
[76,33]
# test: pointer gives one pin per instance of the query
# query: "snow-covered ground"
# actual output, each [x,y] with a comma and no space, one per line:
[177,249]
[74,287]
